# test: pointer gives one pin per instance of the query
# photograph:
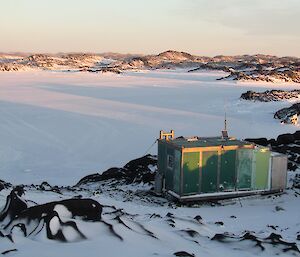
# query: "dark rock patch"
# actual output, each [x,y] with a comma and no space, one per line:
[14,205]
[220,223]
[272,227]
[191,232]
[198,218]
[170,215]
[273,239]
[9,251]
[4,185]
[135,171]
[296,182]
[278,208]
[259,141]
[285,139]
[18,213]
[184,254]
[285,114]
[271,95]
[154,215]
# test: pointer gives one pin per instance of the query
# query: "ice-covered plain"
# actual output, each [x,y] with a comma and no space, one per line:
[58,127]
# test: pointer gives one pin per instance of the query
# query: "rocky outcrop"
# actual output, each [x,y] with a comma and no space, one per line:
[288,112]
[271,95]
[274,75]
[136,171]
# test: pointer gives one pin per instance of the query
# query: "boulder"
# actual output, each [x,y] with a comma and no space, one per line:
[259,141]
[285,139]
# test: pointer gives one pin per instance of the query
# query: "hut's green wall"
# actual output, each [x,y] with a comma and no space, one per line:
[262,158]
[244,168]
[191,172]
[170,170]
[209,178]
[228,171]
[171,174]
[161,159]
[177,172]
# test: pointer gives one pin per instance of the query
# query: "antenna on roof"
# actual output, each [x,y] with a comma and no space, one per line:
[225,132]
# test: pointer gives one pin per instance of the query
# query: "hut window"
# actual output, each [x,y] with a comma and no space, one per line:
[170,162]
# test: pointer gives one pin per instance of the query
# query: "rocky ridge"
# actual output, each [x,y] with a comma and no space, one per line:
[265,68]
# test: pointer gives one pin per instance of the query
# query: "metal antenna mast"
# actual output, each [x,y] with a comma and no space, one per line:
[225,132]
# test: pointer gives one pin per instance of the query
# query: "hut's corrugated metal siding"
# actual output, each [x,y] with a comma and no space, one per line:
[261,173]
[191,172]
[279,175]
[244,169]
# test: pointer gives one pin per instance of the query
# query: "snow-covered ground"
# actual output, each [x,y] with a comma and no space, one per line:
[59,127]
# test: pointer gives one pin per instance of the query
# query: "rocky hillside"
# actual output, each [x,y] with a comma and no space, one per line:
[243,67]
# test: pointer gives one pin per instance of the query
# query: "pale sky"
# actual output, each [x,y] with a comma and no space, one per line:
[202,27]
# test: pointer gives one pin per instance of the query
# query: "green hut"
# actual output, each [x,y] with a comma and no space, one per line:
[195,168]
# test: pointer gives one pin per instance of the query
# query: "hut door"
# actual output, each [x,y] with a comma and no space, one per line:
[191,172]
[209,171]
[227,172]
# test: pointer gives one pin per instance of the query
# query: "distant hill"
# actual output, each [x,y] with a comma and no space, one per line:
[258,67]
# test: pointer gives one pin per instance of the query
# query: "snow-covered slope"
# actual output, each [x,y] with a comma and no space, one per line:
[59,127]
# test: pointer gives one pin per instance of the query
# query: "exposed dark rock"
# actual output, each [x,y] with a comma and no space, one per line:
[273,239]
[220,223]
[9,251]
[184,254]
[296,182]
[191,232]
[14,205]
[135,171]
[170,215]
[292,166]
[59,235]
[198,218]
[17,213]
[4,185]
[272,227]
[271,95]
[289,75]
[273,142]
[259,141]
[285,139]
[104,70]
[297,135]
[288,112]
